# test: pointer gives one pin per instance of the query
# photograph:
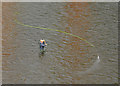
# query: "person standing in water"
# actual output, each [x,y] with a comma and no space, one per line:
[42,44]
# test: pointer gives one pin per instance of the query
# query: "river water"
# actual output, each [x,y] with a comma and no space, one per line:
[67,59]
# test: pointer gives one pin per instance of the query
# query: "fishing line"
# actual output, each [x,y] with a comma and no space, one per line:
[97,60]
[18,22]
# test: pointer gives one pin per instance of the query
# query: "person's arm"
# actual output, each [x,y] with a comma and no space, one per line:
[45,43]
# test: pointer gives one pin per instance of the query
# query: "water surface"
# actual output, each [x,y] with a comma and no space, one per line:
[67,60]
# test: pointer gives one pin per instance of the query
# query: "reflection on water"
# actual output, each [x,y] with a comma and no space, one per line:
[76,56]
[8,34]
[41,54]
[66,59]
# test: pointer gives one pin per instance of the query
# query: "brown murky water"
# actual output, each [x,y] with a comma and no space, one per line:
[67,59]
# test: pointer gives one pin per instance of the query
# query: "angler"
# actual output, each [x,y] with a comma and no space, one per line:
[42,44]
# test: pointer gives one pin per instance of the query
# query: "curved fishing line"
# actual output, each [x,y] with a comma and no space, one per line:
[95,64]
[54,30]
